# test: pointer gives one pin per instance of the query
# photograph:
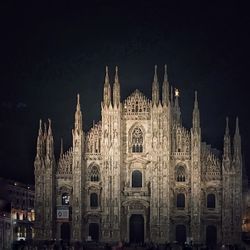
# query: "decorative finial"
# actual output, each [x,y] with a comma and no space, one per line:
[78,99]
[107,75]
[78,107]
[45,128]
[116,74]
[237,131]
[40,127]
[176,92]
[155,75]
[40,124]
[227,126]
[49,129]
[165,73]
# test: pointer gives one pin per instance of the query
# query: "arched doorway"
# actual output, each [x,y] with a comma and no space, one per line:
[211,236]
[65,232]
[136,228]
[180,233]
[94,231]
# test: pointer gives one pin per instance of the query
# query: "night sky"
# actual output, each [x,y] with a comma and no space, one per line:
[49,53]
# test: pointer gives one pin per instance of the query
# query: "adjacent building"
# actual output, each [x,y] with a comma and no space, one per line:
[139,175]
[17,213]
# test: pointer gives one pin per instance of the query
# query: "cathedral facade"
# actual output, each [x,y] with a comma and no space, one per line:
[138,175]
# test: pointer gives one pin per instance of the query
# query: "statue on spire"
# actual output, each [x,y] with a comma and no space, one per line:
[116,89]
[155,88]
[165,88]
[107,89]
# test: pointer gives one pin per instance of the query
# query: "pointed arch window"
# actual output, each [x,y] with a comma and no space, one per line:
[136,178]
[94,174]
[137,140]
[180,201]
[93,200]
[211,201]
[180,174]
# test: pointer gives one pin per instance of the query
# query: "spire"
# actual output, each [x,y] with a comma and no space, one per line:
[237,141]
[39,147]
[107,89]
[196,113]
[49,142]
[78,115]
[116,75]
[165,88]
[40,132]
[116,89]
[49,129]
[78,107]
[227,143]
[155,88]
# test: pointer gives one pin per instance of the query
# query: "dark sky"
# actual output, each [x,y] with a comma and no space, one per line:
[49,53]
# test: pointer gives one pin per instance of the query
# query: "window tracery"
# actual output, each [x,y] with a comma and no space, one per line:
[137,140]
[180,174]
[94,174]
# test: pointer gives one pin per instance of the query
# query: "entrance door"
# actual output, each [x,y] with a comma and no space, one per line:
[180,233]
[211,236]
[136,228]
[65,232]
[94,231]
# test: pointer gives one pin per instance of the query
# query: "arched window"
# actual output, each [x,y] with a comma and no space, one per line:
[65,199]
[136,178]
[94,174]
[137,141]
[180,201]
[93,200]
[180,174]
[210,201]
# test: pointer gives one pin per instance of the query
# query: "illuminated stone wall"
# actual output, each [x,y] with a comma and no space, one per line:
[139,160]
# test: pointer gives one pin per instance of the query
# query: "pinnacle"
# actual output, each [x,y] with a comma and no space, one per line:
[165,73]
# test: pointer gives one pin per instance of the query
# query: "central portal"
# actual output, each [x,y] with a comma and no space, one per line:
[136,228]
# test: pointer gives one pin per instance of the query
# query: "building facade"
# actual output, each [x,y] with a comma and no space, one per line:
[17,213]
[138,175]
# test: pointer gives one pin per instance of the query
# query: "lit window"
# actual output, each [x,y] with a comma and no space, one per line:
[65,199]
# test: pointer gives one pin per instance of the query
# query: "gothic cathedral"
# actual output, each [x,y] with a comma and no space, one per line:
[138,175]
